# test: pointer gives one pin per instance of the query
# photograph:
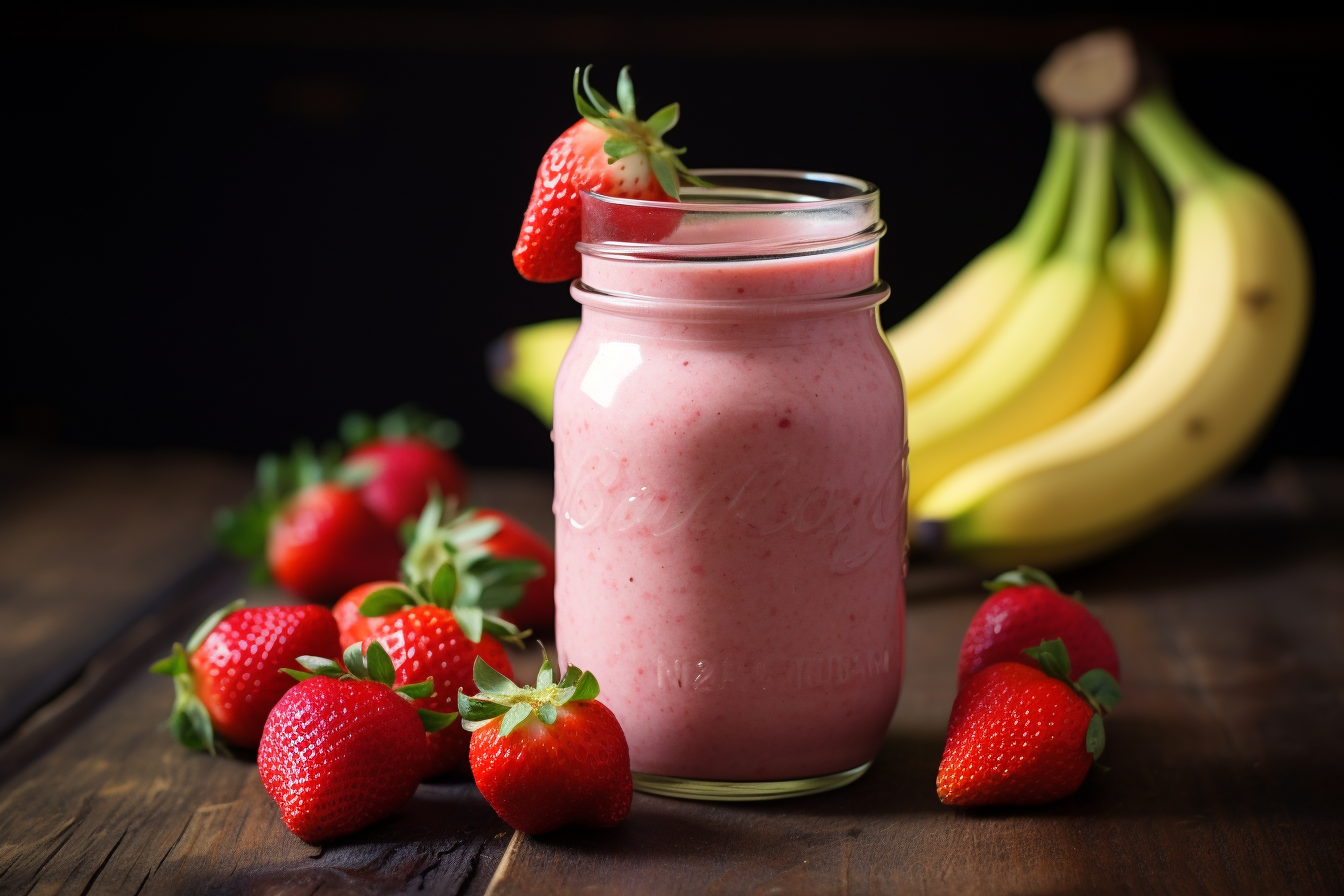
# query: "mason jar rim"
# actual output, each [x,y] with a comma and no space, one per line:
[794,213]
[865,191]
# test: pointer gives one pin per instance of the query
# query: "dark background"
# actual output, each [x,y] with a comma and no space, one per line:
[225,228]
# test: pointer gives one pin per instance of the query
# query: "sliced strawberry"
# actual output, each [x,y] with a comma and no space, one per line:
[609,151]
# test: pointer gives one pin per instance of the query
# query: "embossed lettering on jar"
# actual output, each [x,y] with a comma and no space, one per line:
[730,479]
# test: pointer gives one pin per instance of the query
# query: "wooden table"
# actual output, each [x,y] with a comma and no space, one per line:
[1225,769]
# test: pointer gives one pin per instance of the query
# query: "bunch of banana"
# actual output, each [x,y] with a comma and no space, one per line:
[1056,451]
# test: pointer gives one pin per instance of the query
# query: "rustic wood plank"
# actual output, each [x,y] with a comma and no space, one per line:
[88,545]
[1228,623]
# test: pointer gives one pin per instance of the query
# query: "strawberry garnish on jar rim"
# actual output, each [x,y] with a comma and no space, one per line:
[611,151]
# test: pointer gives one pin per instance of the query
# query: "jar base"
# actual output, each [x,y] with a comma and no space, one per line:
[743,791]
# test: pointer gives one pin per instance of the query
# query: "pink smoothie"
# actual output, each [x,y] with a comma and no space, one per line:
[730,503]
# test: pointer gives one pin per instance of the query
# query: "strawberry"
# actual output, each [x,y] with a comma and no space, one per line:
[547,756]
[1027,608]
[229,675]
[353,625]
[325,541]
[401,460]
[437,622]
[609,151]
[343,749]
[1023,736]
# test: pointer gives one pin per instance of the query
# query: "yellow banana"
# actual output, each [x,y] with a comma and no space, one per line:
[1137,257]
[1220,358]
[1060,343]
[523,363]
[943,331]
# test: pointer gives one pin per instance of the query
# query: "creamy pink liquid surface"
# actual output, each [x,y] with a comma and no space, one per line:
[730,502]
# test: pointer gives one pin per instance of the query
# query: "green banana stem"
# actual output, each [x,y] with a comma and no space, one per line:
[1181,155]
[1091,216]
[1147,212]
[1042,221]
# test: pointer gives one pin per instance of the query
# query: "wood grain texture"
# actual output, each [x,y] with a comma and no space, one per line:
[1223,780]
[88,546]
[119,807]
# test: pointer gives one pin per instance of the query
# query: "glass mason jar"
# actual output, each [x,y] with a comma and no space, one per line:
[730,484]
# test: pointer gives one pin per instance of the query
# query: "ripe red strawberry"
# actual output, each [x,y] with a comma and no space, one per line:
[353,625]
[402,459]
[515,541]
[547,756]
[1024,736]
[427,641]
[609,151]
[342,749]
[1026,609]
[229,675]
[325,541]
[408,472]
[437,622]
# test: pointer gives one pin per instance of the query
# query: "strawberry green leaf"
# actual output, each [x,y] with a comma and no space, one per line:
[271,475]
[1023,575]
[465,532]
[354,661]
[357,428]
[516,715]
[1102,687]
[499,597]
[586,108]
[586,687]
[443,587]
[545,676]
[625,92]
[190,722]
[598,100]
[564,695]
[205,628]
[296,674]
[491,681]
[357,473]
[379,665]
[320,665]
[617,149]
[435,721]
[242,531]
[572,675]
[417,691]
[1096,737]
[473,710]
[1053,657]
[496,571]
[175,664]
[470,620]
[385,600]
[667,178]
[546,712]
[664,120]
[504,630]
